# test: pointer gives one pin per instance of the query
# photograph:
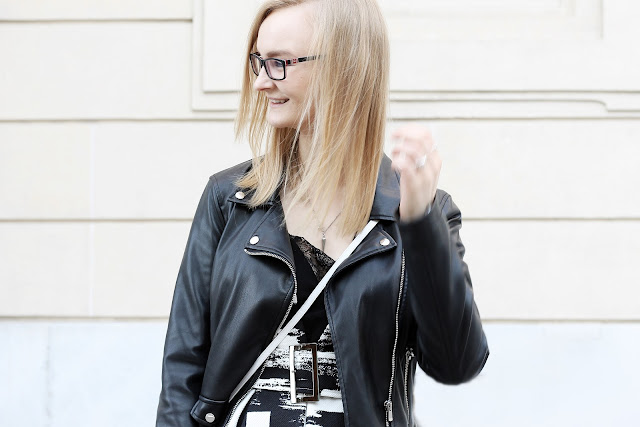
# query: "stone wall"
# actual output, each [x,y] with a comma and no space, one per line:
[114,114]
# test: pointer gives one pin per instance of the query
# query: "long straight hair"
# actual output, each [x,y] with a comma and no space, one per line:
[348,96]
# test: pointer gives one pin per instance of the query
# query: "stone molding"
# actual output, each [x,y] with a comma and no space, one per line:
[517,59]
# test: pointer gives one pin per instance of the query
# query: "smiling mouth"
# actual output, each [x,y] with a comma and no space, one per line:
[278,101]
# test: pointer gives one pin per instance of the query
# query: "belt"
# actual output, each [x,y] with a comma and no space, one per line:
[315,384]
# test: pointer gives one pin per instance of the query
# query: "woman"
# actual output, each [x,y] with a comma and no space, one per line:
[265,232]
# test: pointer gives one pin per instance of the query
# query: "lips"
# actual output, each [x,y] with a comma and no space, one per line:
[278,101]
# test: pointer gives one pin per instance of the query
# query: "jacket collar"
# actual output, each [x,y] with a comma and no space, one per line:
[385,202]
[387,197]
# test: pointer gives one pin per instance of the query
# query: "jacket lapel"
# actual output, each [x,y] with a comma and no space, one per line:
[271,235]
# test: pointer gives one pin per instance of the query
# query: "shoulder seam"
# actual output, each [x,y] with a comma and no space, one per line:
[216,194]
[445,199]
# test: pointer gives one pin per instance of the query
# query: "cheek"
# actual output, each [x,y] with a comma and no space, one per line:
[300,88]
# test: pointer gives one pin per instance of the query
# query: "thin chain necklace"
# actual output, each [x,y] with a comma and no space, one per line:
[324,231]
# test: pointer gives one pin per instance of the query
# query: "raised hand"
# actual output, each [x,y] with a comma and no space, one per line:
[416,157]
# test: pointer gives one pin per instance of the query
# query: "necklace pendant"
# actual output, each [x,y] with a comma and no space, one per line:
[324,240]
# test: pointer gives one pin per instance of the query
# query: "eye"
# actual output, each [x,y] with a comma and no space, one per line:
[278,63]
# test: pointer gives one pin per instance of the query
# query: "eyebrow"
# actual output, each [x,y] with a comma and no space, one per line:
[277,53]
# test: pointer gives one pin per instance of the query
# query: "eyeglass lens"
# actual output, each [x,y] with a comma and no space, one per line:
[275,67]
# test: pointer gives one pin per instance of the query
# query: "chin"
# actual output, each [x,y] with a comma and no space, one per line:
[281,122]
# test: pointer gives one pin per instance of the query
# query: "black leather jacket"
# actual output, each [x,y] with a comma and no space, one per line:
[389,305]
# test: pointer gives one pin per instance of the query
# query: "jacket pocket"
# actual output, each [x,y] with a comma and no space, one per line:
[209,412]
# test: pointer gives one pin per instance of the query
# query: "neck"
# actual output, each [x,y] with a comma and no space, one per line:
[305,139]
[304,146]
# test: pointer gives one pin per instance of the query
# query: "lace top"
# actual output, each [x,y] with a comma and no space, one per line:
[319,261]
[311,266]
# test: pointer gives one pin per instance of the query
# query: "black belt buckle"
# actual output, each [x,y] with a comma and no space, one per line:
[313,347]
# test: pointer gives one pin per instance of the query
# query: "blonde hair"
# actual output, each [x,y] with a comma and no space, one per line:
[348,95]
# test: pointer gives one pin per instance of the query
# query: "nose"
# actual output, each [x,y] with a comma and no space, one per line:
[263,81]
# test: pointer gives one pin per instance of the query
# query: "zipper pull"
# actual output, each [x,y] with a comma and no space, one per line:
[388,406]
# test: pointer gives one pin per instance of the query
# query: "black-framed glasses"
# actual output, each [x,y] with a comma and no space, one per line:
[276,68]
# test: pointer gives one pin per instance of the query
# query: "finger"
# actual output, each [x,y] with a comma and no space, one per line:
[412,131]
[398,156]
[425,146]
[405,165]
[420,148]
[409,147]
[397,150]
[414,159]
[408,139]
[432,167]
[435,160]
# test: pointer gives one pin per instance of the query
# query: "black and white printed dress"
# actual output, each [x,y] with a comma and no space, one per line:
[269,404]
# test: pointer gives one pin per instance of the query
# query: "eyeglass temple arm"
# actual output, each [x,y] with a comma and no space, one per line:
[297,60]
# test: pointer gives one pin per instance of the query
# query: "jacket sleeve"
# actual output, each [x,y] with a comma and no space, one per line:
[450,345]
[188,340]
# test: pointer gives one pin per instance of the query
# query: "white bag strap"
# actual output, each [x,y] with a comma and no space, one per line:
[304,308]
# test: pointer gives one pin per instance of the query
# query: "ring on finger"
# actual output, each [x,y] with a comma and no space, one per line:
[422,160]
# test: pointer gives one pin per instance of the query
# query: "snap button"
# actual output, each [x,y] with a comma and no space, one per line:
[240,195]
[209,417]
[254,240]
[385,242]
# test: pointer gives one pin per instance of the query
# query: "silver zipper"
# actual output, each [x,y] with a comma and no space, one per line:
[294,300]
[388,405]
[409,355]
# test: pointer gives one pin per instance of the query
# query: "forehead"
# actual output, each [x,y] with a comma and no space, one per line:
[288,30]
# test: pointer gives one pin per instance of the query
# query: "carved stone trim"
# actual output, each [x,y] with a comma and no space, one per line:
[575,64]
